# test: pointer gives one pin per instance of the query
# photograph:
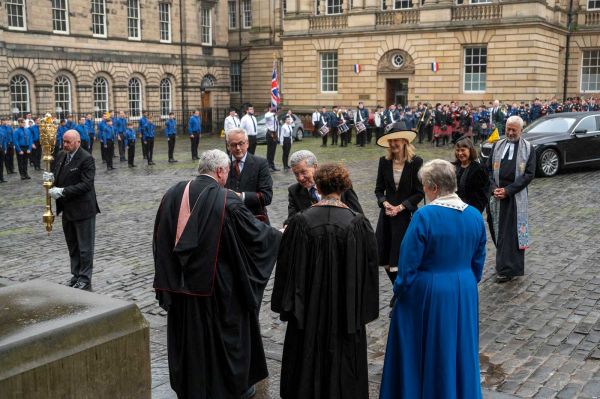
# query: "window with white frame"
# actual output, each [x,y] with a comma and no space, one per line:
[402,4]
[100,92]
[590,71]
[461,2]
[164,18]
[206,26]
[284,6]
[62,93]
[475,68]
[232,13]
[235,77]
[334,7]
[133,19]
[134,90]
[247,13]
[15,11]
[165,97]
[60,16]
[98,18]
[593,5]
[329,71]
[19,94]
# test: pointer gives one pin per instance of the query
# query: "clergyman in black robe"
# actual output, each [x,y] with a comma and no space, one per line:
[209,268]
[326,288]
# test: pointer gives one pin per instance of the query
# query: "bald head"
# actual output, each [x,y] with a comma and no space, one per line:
[71,140]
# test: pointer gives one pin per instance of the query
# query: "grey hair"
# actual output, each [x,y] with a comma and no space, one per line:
[303,155]
[211,160]
[440,173]
[236,130]
[515,119]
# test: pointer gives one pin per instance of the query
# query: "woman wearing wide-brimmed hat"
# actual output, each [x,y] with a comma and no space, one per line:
[398,192]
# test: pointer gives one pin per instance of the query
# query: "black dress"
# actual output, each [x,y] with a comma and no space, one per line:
[473,184]
[409,192]
[326,287]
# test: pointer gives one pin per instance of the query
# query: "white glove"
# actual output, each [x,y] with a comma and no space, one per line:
[48,177]
[56,192]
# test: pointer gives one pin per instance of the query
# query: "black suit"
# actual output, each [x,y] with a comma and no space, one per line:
[79,208]
[299,200]
[255,182]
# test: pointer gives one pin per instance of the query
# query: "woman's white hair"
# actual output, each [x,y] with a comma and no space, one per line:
[236,130]
[440,173]
[210,161]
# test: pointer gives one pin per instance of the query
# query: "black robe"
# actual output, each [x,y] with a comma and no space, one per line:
[326,287]
[209,284]
[473,185]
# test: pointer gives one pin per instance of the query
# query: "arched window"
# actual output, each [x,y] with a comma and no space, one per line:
[19,95]
[165,97]
[207,81]
[62,94]
[135,97]
[100,96]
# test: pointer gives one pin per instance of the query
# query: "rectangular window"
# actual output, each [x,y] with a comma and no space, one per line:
[98,18]
[402,4]
[206,24]
[232,12]
[461,2]
[590,71]
[60,12]
[329,72]
[247,13]
[133,19]
[284,6]
[334,7]
[164,17]
[593,5]
[15,11]
[235,77]
[475,69]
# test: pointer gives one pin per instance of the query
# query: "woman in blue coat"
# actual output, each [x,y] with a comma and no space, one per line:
[433,341]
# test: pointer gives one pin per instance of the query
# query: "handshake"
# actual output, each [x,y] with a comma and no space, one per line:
[55,192]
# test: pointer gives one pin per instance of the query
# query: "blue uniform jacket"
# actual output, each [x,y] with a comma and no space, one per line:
[82,133]
[22,139]
[171,127]
[101,126]
[129,137]
[148,132]
[35,133]
[3,139]
[59,135]
[70,124]
[120,125]
[8,134]
[89,127]
[108,133]
[142,125]
[194,124]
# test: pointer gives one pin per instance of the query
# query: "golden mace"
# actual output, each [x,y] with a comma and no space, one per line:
[48,141]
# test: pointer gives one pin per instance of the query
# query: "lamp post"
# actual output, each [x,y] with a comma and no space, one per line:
[59,111]
[15,112]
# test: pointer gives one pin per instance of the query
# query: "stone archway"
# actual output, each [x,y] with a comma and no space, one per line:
[395,69]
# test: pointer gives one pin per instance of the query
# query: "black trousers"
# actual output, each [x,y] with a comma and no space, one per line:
[109,149]
[149,148]
[369,134]
[2,157]
[195,141]
[344,138]
[86,146]
[9,159]
[144,149]
[102,151]
[122,147]
[361,138]
[252,144]
[91,144]
[378,132]
[287,146]
[130,153]
[80,236]
[22,161]
[333,132]
[324,138]
[171,146]
[36,155]
[271,147]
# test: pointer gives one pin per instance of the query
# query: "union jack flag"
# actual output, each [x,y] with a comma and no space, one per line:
[275,100]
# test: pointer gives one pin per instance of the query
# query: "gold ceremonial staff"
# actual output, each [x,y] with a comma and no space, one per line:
[48,141]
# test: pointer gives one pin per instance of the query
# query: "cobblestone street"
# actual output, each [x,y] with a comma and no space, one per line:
[539,335]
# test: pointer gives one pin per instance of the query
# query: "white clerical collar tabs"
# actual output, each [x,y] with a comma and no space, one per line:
[451,201]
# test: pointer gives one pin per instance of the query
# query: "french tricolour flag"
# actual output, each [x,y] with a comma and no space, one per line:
[357,68]
[435,66]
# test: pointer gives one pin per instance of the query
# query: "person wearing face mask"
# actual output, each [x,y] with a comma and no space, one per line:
[511,167]
[472,181]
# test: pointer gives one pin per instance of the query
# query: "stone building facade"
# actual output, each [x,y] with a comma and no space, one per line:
[94,55]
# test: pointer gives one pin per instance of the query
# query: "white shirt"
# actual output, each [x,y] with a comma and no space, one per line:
[241,163]
[248,123]
[286,131]
[271,121]
[378,118]
[231,122]
[316,116]
[511,151]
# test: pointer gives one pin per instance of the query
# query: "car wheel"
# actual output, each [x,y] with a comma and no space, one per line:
[299,135]
[548,163]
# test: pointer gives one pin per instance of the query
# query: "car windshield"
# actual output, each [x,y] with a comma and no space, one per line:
[552,125]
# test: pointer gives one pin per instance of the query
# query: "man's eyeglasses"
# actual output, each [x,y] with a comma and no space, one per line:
[238,144]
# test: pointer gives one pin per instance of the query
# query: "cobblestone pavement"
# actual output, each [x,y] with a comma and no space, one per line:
[539,334]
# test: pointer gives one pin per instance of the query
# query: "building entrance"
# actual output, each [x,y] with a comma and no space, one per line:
[396,92]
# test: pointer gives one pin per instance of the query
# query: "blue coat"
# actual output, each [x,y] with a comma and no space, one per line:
[194,125]
[35,133]
[85,138]
[3,139]
[8,134]
[120,125]
[129,137]
[148,132]
[171,127]
[108,133]
[89,127]
[22,139]
[433,341]
[60,132]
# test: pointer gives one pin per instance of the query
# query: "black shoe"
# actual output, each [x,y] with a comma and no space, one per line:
[71,282]
[151,163]
[134,166]
[503,279]
[23,177]
[80,285]
[28,177]
[110,168]
[130,166]
[323,145]
[3,181]
[274,169]
[250,392]
[12,172]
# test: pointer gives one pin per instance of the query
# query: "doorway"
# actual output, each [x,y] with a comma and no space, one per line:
[396,91]
[206,111]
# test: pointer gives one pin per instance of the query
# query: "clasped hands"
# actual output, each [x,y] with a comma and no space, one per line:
[55,192]
[500,193]
[391,210]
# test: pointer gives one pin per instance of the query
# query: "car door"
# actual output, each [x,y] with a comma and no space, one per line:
[584,145]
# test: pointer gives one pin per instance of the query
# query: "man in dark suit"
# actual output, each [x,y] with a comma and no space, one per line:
[303,195]
[249,175]
[73,177]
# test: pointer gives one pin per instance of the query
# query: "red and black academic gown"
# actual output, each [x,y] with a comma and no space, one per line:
[208,283]
[326,287]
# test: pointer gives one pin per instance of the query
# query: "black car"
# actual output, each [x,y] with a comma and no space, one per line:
[561,141]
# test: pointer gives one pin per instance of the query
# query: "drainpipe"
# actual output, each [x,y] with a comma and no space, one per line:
[568,49]
[182,61]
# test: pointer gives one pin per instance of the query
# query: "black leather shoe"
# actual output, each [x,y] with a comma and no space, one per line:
[503,279]
[71,282]
[274,169]
[250,392]
[3,181]
[80,285]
